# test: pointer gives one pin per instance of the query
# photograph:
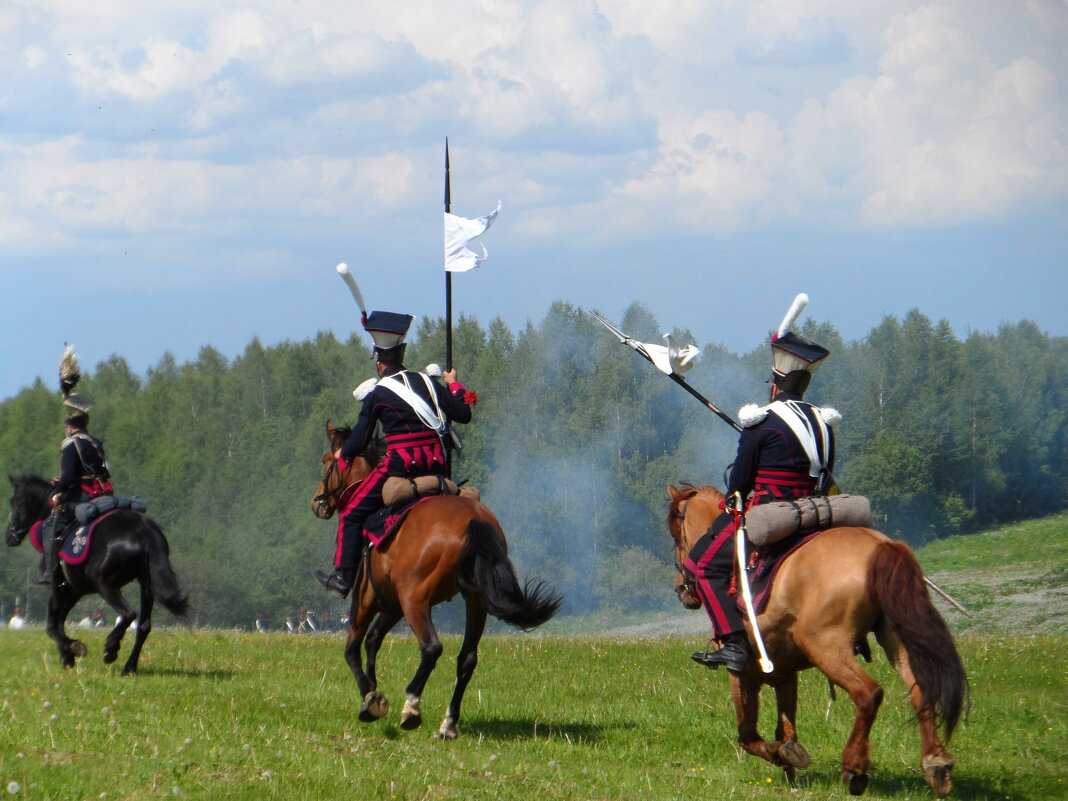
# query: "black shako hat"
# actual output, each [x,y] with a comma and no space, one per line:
[388,330]
[794,357]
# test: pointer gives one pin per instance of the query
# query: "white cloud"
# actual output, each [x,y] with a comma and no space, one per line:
[605,116]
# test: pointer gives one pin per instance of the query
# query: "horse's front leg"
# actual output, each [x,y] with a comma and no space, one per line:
[60,602]
[745,692]
[466,661]
[417,613]
[787,751]
[373,704]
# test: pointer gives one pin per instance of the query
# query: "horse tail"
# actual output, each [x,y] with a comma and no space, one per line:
[895,584]
[490,573]
[165,587]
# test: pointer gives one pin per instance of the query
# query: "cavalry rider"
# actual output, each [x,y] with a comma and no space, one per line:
[83,475]
[785,451]
[414,412]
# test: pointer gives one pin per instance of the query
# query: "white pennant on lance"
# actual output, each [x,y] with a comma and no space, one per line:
[459,231]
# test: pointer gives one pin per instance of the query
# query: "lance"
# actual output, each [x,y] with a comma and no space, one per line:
[448,273]
[949,598]
[678,379]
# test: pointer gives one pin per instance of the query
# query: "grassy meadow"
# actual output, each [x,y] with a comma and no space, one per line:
[231,715]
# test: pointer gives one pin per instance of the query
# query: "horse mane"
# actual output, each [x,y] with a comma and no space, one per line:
[688,490]
[32,489]
[374,450]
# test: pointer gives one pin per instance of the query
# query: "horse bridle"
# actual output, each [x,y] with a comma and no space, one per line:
[322,499]
[15,536]
[689,583]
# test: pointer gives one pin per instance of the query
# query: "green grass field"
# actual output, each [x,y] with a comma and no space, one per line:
[227,715]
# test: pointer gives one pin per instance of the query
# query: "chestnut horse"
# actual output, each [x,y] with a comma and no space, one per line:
[827,596]
[446,545]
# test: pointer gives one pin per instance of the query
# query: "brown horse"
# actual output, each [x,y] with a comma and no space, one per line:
[828,595]
[446,545]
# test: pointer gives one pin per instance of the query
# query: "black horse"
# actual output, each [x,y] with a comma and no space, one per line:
[126,545]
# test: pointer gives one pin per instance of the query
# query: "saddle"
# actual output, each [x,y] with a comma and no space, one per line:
[381,525]
[763,565]
[75,545]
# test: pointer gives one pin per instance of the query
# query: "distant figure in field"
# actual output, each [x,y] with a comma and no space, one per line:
[262,623]
[18,620]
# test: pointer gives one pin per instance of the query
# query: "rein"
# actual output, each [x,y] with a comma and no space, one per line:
[323,498]
[688,583]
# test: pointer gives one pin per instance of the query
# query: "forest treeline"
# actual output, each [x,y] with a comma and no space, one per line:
[573,442]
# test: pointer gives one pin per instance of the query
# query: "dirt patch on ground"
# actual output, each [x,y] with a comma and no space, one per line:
[999,601]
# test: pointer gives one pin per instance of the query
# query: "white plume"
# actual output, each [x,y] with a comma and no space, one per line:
[796,308]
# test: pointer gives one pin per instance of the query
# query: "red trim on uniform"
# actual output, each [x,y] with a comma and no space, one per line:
[704,587]
[361,489]
[415,438]
[783,478]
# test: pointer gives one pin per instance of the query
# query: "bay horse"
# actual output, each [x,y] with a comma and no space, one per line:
[125,546]
[446,545]
[828,595]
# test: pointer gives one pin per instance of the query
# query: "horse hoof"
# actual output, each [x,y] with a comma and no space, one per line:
[411,720]
[937,770]
[792,753]
[129,670]
[411,716]
[447,730]
[110,656]
[374,706]
[858,782]
[77,647]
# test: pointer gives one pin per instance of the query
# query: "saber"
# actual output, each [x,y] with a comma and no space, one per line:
[350,282]
[678,379]
[952,601]
[766,664]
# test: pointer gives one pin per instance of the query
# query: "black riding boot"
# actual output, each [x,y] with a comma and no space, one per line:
[734,654]
[339,582]
[49,539]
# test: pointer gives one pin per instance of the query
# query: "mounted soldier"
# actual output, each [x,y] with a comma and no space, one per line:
[785,451]
[84,473]
[414,411]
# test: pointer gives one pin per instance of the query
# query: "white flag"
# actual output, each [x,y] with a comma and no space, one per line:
[459,231]
[671,358]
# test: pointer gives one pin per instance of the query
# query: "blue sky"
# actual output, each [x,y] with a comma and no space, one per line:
[181,174]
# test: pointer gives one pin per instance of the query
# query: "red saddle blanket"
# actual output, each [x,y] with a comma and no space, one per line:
[384,523]
[75,546]
[764,564]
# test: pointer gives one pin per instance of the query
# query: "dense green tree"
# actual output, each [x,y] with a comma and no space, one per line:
[573,441]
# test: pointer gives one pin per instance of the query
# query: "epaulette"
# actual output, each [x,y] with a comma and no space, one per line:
[830,416]
[364,389]
[751,414]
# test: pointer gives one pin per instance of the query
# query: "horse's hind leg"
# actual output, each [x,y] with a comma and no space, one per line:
[144,626]
[60,602]
[838,663]
[936,761]
[465,664]
[113,597]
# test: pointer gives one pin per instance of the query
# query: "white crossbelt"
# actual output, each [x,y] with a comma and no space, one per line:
[432,418]
[801,425]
